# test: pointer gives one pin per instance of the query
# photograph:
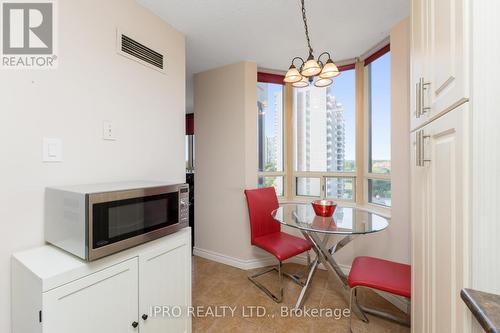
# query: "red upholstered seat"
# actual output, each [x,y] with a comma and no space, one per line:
[380,274]
[265,231]
[282,245]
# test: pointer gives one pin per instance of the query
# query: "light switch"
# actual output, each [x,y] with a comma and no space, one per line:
[52,150]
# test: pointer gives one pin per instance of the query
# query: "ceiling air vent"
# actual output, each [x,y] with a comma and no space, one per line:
[131,48]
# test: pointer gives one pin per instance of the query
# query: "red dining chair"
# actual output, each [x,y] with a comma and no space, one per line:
[266,234]
[383,275]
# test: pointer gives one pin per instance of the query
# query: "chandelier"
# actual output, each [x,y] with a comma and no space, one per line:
[311,70]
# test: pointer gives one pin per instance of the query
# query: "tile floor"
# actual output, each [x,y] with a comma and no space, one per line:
[215,284]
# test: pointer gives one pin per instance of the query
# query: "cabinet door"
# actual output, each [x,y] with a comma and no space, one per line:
[165,281]
[103,302]
[448,64]
[447,228]
[419,224]
[418,50]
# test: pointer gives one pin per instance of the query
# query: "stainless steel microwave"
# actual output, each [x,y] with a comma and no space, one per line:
[93,221]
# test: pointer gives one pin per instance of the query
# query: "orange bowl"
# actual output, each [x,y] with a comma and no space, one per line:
[324,208]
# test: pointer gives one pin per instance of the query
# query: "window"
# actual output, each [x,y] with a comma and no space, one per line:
[270,135]
[307,141]
[190,142]
[324,138]
[379,114]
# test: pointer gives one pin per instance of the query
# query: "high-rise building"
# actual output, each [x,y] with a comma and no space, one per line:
[270,142]
[262,98]
[320,139]
[278,131]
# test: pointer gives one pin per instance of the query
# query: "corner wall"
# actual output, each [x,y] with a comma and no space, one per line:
[394,243]
[226,161]
[92,83]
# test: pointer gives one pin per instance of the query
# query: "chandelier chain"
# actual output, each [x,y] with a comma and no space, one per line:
[304,18]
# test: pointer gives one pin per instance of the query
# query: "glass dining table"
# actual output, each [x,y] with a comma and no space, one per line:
[347,223]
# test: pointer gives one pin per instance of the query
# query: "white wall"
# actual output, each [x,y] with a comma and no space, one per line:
[485,100]
[394,243]
[485,184]
[91,84]
[226,160]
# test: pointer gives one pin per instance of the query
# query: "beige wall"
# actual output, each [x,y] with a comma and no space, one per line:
[226,158]
[91,84]
[394,243]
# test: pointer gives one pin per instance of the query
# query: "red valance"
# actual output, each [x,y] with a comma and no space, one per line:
[346,67]
[270,78]
[377,54]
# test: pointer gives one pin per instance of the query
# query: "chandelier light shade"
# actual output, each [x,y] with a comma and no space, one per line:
[323,82]
[311,70]
[292,75]
[329,70]
[304,82]
[311,67]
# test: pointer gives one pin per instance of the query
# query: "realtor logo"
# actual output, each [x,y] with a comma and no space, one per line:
[28,34]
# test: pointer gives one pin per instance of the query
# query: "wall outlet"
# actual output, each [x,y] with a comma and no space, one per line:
[108,130]
[52,150]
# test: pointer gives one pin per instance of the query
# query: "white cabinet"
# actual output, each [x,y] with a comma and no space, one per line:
[440,232]
[439,64]
[448,61]
[55,292]
[165,280]
[105,301]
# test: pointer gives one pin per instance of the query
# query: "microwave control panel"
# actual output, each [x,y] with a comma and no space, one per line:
[184,203]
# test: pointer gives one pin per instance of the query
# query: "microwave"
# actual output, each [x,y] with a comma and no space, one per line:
[93,221]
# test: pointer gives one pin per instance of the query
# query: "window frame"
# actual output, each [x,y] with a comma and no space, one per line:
[322,175]
[263,77]
[368,176]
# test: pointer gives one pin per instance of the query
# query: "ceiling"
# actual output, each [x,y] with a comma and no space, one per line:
[271,32]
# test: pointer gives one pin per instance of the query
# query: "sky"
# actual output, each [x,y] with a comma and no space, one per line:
[343,89]
[381,107]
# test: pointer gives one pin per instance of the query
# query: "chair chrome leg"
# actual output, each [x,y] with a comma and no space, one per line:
[280,276]
[298,277]
[350,309]
[364,318]
[375,312]
[353,300]
[277,299]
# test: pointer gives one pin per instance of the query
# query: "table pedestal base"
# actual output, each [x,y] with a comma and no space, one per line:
[324,255]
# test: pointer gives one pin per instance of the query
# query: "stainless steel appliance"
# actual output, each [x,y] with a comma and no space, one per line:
[93,221]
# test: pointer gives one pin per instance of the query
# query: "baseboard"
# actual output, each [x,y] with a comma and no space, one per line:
[247,264]
[244,264]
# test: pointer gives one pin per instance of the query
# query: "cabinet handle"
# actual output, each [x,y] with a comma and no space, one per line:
[135,324]
[417,149]
[144,317]
[417,99]
[423,86]
[420,152]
